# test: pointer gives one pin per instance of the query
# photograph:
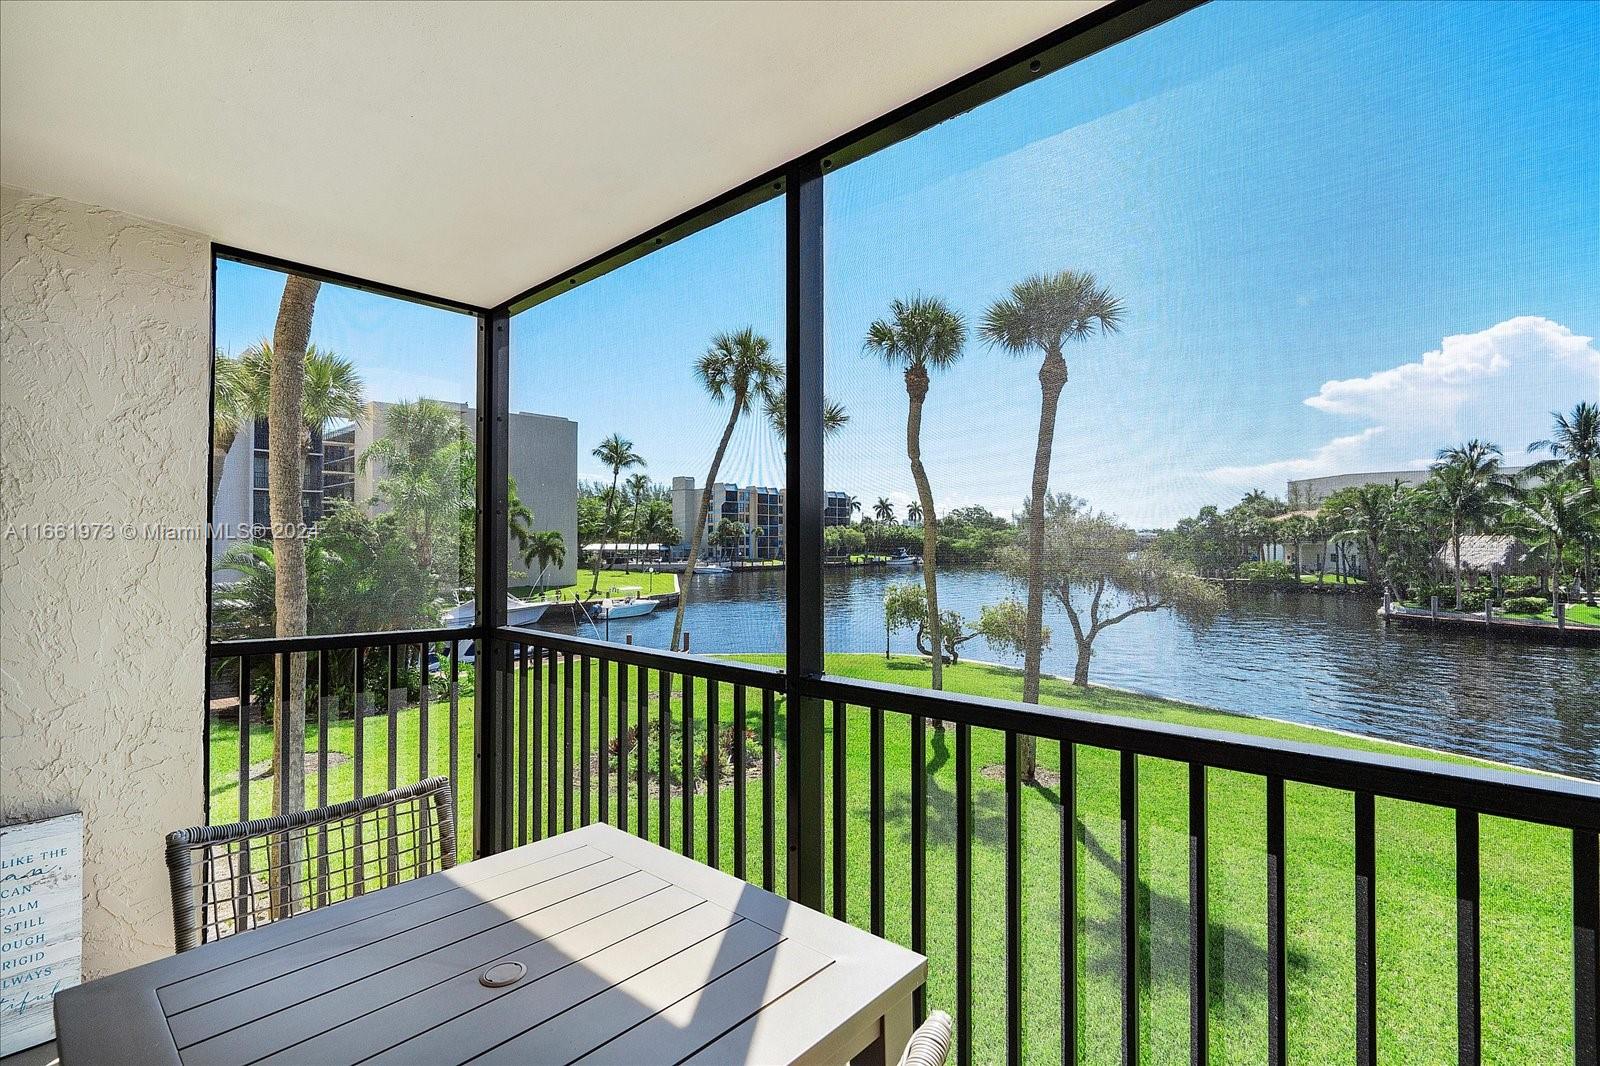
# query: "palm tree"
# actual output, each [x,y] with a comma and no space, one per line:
[914,512]
[423,447]
[617,453]
[333,393]
[547,548]
[1042,314]
[1552,516]
[1464,487]
[1574,447]
[739,368]
[883,510]
[922,334]
[834,416]
[638,489]
[853,504]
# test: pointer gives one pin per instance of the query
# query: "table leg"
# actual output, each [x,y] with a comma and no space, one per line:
[894,1032]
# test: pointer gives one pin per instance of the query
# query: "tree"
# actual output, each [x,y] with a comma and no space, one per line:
[914,513]
[1294,530]
[1095,569]
[883,510]
[1465,486]
[728,535]
[738,368]
[421,455]
[843,540]
[546,548]
[639,490]
[658,527]
[1552,516]
[853,504]
[1041,314]
[617,453]
[834,416]
[1574,447]
[905,606]
[1005,626]
[921,335]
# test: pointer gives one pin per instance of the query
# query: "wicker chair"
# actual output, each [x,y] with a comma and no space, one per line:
[330,854]
[930,1044]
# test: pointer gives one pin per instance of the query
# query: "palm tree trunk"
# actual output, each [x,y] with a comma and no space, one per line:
[221,445]
[697,534]
[604,533]
[1455,550]
[1052,379]
[917,389]
[285,432]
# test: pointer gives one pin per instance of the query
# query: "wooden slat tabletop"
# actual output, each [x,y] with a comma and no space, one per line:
[631,954]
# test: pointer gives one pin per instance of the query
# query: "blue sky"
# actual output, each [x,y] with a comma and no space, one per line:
[1345,235]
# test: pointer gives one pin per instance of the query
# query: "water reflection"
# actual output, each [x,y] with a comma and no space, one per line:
[1319,660]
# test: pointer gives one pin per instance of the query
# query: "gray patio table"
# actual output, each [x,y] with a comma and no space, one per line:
[592,946]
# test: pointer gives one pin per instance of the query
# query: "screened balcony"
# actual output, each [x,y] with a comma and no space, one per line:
[1120,523]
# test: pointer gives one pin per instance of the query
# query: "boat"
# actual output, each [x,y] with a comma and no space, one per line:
[518,612]
[712,568]
[631,605]
[901,558]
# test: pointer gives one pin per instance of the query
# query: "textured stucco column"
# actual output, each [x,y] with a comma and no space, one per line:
[103,418]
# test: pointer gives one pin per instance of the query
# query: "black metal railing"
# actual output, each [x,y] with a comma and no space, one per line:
[610,732]
[380,710]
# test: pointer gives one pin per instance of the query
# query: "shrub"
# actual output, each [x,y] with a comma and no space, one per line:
[1273,573]
[1519,585]
[1527,605]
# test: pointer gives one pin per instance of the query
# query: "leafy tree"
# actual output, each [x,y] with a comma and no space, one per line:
[1005,626]
[1367,515]
[921,335]
[905,606]
[420,456]
[1574,447]
[658,527]
[729,535]
[738,367]
[1294,530]
[1095,569]
[843,540]
[883,510]
[1466,488]
[639,491]
[1041,315]
[617,453]
[1553,516]
[545,548]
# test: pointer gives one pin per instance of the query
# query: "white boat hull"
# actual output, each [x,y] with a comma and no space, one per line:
[632,609]
[518,613]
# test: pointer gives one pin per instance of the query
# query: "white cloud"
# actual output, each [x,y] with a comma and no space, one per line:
[1435,387]
[1465,388]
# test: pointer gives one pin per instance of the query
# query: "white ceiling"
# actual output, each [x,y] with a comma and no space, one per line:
[465,150]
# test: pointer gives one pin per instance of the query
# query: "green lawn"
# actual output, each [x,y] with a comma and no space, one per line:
[652,584]
[1526,882]
[1576,612]
[1329,579]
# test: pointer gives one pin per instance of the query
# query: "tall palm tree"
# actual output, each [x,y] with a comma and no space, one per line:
[1465,486]
[1042,314]
[914,512]
[1552,516]
[834,416]
[922,334]
[853,505]
[638,488]
[883,510]
[617,453]
[1574,447]
[547,548]
[739,368]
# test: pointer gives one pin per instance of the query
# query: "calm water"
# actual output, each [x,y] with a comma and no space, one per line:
[1320,660]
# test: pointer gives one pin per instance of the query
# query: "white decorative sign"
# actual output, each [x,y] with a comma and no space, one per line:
[41,925]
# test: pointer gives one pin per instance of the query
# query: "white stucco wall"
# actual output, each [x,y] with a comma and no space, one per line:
[103,418]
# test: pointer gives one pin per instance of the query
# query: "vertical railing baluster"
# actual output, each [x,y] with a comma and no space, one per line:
[838,756]
[1199,921]
[1585,945]
[623,747]
[552,745]
[603,746]
[423,694]
[566,743]
[325,708]
[1469,1042]
[641,744]
[244,742]
[1277,950]
[534,661]
[1013,899]
[875,819]
[919,854]
[663,758]
[740,783]
[1366,932]
[357,862]
[585,739]
[686,768]
[1069,902]
[396,695]
[1129,825]
[523,671]
[713,776]
[769,800]
[455,732]
[963,771]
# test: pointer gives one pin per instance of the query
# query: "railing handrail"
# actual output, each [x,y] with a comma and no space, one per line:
[654,658]
[256,647]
